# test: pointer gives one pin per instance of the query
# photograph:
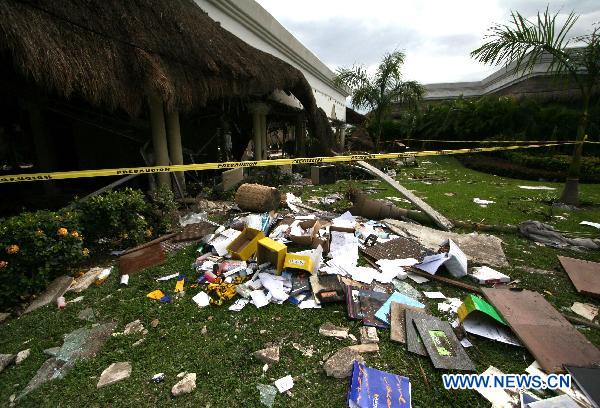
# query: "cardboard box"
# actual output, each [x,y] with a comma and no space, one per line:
[312,239]
[246,244]
[298,262]
[271,251]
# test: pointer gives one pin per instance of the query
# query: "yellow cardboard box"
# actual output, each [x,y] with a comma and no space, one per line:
[245,245]
[271,251]
[297,261]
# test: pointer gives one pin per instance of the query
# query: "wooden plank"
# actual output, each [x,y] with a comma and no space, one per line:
[438,218]
[142,258]
[443,347]
[548,336]
[585,275]
[398,321]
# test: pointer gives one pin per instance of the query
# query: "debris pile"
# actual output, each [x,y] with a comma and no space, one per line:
[311,259]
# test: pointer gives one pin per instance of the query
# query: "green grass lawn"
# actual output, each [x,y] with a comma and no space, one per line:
[227,374]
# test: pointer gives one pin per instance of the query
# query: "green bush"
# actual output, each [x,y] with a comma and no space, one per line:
[116,219]
[126,218]
[36,247]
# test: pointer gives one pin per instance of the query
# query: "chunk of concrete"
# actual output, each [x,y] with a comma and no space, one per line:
[365,348]
[330,330]
[114,373]
[368,335]
[269,355]
[22,355]
[134,327]
[340,364]
[52,351]
[482,249]
[6,360]
[84,281]
[56,289]
[80,344]
[185,385]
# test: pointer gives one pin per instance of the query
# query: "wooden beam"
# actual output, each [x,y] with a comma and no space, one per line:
[438,218]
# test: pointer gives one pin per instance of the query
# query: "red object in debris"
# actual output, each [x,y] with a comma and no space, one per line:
[211,277]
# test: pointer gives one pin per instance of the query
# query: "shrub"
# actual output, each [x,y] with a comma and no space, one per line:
[163,212]
[116,219]
[36,248]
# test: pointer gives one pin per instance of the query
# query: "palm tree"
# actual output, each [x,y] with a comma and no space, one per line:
[524,42]
[380,91]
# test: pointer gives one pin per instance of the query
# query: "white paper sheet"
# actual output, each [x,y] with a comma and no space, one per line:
[434,295]
[591,224]
[259,299]
[168,277]
[417,278]
[238,305]
[201,299]
[345,220]
[482,202]
[537,188]
[363,274]
[484,328]
[487,275]
[284,384]
[454,260]
[343,245]
[309,304]
[274,284]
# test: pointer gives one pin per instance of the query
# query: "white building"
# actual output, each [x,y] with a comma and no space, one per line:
[250,22]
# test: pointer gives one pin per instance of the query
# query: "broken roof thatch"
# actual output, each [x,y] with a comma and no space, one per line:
[113,53]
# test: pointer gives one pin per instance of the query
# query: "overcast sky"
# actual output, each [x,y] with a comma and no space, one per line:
[436,35]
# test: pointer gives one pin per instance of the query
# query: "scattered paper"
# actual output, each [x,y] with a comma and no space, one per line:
[488,276]
[397,262]
[482,203]
[343,245]
[238,305]
[274,284]
[201,299]
[537,188]
[168,277]
[284,384]
[221,241]
[434,295]
[499,397]
[591,224]
[450,305]
[259,299]
[466,343]
[309,304]
[363,274]
[454,260]
[417,278]
[345,220]
[586,310]
[292,200]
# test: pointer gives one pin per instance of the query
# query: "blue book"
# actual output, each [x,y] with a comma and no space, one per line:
[383,313]
[371,388]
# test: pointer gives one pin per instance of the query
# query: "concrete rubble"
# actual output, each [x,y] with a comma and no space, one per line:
[269,355]
[185,386]
[114,373]
[330,330]
[340,364]
[21,356]
[56,289]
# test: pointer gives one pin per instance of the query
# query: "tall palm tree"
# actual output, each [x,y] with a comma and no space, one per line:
[523,41]
[380,91]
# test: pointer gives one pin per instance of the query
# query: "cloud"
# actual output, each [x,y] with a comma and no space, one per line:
[437,36]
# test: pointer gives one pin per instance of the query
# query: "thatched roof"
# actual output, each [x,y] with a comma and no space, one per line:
[113,52]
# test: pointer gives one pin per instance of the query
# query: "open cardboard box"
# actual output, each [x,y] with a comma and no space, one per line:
[312,239]
[245,245]
[271,251]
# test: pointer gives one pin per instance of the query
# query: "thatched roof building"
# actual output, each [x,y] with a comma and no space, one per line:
[112,53]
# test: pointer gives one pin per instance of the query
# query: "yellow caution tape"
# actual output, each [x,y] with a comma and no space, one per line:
[485,141]
[60,175]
